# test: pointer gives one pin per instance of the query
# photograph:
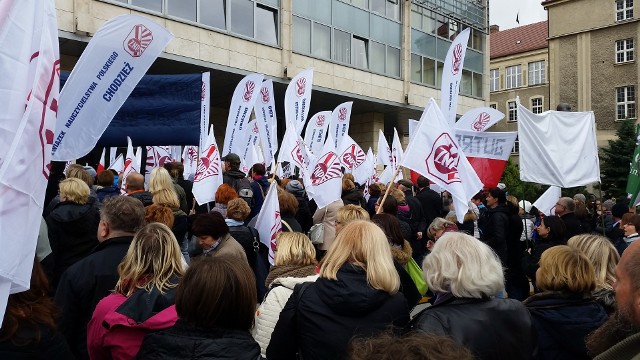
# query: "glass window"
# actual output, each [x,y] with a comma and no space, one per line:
[360,3]
[442,26]
[625,102]
[439,69]
[416,68]
[359,52]
[536,105]
[393,10]
[536,73]
[624,51]
[378,6]
[393,61]
[301,35]
[516,146]
[624,10]
[321,41]
[494,80]
[319,10]
[478,39]
[266,28]
[514,77]
[341,46]
[477,85]
[350,18]
[429,71]
[212,13]
[185,9]
[513,111]
[493,106]
[242,17]
[155,5]
[465,86]
[377,57]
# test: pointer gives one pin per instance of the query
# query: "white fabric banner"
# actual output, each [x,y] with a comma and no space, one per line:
[435,154]
[190,161]
[269,222]
[205,96]
[340,119]
[118,164]
[479,119]
[176,153]
[108,70]
[242,102]
[29,89]
[489,145]
[101,164]
[112,155]
[546,203]
[251,136]
[208,176]
[130,165]
[352,156]
[138,160]
[326,176]
[294,150]
[396,154]
[316,132]
[452,74]
[413,125]
[267,122]
[558,148]
[157,156]
[384,151]
[251,158]
[297,99]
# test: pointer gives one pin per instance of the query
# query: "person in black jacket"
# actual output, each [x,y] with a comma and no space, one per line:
[288,209]
[89,280]
[304,214]
[565,208]
[494,223]
[430,200]
[517,285]
[351,194]
[356,295]
[215,302]
[551,232]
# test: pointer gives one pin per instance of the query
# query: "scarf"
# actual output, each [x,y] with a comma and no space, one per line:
[297,271]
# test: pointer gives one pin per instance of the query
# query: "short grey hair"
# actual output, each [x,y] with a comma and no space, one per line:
[568,203]
[464,266]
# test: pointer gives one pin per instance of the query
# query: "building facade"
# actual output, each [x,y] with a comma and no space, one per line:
[385,55]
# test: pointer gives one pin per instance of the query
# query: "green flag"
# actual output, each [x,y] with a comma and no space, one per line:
[633,182]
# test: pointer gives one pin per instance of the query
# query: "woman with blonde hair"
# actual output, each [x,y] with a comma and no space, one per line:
[466,275]
[161,179]
[294,263]
[349,213]
[164,193]
[355,295]
[437,228]
[604,258]
[144,297]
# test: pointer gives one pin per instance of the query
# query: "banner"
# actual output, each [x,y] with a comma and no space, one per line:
[117,57]
[250,136]
[326,176]
[130,165]
[176,153]
[487,152]
[101,164]
[112,155]
[316,132]
[479,119]
[269,222]
[384,152]
[267,122]
[297,99]
[340,118]
[558,148]
[205,96]
[396,154]
[190,161]
[546,203]
[451,76]
[30,65]
[242,102]
[633,181]
[413,124]
[157,156]
[118,164]
[208,176]
[294,150]
[354,160]
[435,154]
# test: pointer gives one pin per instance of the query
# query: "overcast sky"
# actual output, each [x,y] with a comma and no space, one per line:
[503,12]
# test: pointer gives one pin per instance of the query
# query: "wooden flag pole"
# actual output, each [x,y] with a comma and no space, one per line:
[273,175]
[386,193]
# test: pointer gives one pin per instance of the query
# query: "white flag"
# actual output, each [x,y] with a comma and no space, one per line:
[268,222]
[108,70]
[435,154]
[30,65]
[384,152]
[558,148]
[547,201]
[413,125]
[487,152]
[340,118]
[205,95]
[118,164]
[451,76]
[479,119]
[316,132]
[251,138]
[190,161]
[112,155]
[176,153]
[267,122]
[326,176]
[297,99]
[101,164]
[353,159]
[138,160]
[242,102]
[130,165]
[293,150]
[157,156]
[396,154]
[209,174]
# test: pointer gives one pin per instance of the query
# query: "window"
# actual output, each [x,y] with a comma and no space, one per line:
[241,21]
[341,46]
[514,77]
[513,111]
[359,52]
[214,14]
[536,105]
[624,51]
[494,79]
[536,73]
[321,41]
[516,147]
[624,10]
[493,106]
[266,28]
[625,102]
[302,27]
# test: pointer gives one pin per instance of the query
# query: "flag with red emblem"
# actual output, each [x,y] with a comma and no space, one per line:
[130,165]
[269,222]
[326,175]
[452,76]
[297,99]
[242,102]
[209,174]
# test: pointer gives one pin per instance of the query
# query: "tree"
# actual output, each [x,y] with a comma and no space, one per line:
[615,159]
[518,188]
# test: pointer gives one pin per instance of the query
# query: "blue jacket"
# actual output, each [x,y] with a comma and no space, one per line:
[259,186]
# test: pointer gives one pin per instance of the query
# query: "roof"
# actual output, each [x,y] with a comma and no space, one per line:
[518,40]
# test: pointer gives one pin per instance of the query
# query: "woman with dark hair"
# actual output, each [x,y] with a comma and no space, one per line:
[390,206]
[213,236]
[351,194]
[288,209]
[494,223]
[374,194]
[216,303]
[551,232]
[29,327]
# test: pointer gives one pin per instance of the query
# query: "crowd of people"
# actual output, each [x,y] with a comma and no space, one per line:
[150,274]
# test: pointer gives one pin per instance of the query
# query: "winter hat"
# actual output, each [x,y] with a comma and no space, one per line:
[295,187]
[608,204]
[580,197]
[91,171]
[619,209]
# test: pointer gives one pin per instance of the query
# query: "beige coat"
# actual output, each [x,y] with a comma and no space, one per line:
[327,216]
[229,247]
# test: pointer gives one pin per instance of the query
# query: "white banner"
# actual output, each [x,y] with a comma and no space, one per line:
[118,164]
[208,176]
[242,102]
[354,159]
[396,154]
[267,122]
[130,163]
[176,153]
[112,155]
[294,150]
[190,161]
[157,156]
[384,152]
[269,222]
[205,96]
[108,70]
[479,119]
[452,74]
[297,99]
[340,119]
[316,132]
[546,203]
[251,138]
[489,145]
[558,148]
[326,176]
[413,125]
[101,164]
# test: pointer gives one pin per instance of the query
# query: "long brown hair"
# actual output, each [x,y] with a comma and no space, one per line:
[32,307]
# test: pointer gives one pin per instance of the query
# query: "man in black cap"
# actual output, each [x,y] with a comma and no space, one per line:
[232,169]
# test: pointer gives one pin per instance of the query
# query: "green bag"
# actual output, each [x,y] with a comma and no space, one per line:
[416,275]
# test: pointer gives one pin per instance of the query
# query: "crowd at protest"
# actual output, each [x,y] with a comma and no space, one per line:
[392,274]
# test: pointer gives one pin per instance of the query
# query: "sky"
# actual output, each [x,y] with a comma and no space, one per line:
[503,12]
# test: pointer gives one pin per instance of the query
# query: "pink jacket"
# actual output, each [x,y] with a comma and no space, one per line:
[112,335]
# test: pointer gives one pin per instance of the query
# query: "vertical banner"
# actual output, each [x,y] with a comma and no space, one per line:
[242,102]
[269,222]
[265,110]
[396,154]
[451,76]
[208,176]
[479,119]
[297,99]
[112,155]
[205,97]
[129,166]
[176,153]
[384,152]
[633,181]
[326,176]
[251,137]
[316,131]
[354,159]
[413,125]
[340,118]
[117,164]
[115,60]
[190,161]
[487,152]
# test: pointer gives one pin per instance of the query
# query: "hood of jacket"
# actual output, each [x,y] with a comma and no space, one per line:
[291,282]
[350,294]
[144,310]
[144,196]
[68,211]
[497,209]
[236,174]
[402,254]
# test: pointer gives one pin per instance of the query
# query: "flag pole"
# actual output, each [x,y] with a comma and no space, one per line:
[601,207]
[386,193]
[273,174]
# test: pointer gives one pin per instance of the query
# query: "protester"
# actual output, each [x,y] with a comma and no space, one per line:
[551,232]
[390,206]
[528,220]
[75,171]
[143,299]
[429,199]
[135,188]
[517,284]
[259,186]
[162,188]
[232,171]
[176,170]
[214,238]
[224,194]
[105,186]
[288,208]
[417,214]
[350,194]
[327,217]
[156,213]
[56,174]
[349,213]
[494,223]
[565,208]
[160,180]
[564,313]
[303,215]
[215,302]
[631,226]
[355,296]
[437,228]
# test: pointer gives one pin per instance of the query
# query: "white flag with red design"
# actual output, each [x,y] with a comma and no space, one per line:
[384,151]
[157,156]
[434,153]
[269,222]
[326,175]
[242,102]
[340,119]
[176,153]
[396,154]
[112,155]
[251,139]
[316,132]
[118,164]
[267,122]
[297,99]
[294,150]
[354,159]
[101,166]
[479,119]
[205,95]
[29,90]
[209,173]
[129,165]
[487,152]
[452,75]
[190,161]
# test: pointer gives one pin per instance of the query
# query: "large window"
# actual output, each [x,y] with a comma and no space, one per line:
[536,105]
[624,51]
[536,73]
[625,102]
[494,79]
[513,111]
[513,77]
[624,10]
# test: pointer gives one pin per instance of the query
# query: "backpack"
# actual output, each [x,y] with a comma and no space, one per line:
[243,188]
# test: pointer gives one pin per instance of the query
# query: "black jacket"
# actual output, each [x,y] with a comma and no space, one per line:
[563,322]
[107,192]
[292,222]
[431,204]
[186,341]
[229,177]
[573,224]
[50,346]
[322,319]
[514,275]
[188,190]
[492,329]
[354,197]
[494,225]
[144,196]
[530,261]
[304,214]
[83,285]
